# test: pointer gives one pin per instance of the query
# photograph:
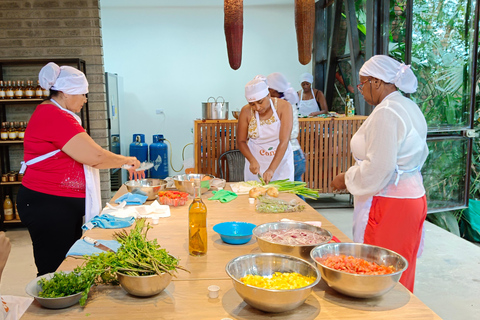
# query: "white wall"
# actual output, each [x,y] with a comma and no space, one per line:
[174,58]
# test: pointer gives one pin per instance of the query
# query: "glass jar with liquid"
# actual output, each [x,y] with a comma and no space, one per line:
[8,209]
[197,224]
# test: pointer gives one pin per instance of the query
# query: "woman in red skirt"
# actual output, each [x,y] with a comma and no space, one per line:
[390,148]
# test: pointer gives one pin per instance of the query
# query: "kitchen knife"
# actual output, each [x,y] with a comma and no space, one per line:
[260,178]
[97,244]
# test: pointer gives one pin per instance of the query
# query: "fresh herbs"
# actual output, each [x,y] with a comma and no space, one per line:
[136,256]
[64,284]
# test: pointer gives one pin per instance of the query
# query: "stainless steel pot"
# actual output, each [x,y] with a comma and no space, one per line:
[215,110]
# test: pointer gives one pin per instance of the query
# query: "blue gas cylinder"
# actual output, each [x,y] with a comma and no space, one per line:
[159,157]
[138,148]
[116,143]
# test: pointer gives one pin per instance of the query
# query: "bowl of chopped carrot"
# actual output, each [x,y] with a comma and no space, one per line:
[272,282]
[359,270]
[172,198]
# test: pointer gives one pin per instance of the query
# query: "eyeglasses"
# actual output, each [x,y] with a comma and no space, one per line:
[360,86]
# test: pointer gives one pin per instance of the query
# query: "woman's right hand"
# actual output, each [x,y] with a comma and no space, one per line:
[338,183]
[254,167]
[134,164]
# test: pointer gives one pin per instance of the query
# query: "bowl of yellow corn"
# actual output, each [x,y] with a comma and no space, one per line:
[272,282]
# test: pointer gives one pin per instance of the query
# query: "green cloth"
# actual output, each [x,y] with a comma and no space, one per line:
[224,196]
[470,222]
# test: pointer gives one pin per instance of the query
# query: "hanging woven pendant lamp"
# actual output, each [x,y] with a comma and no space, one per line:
[233,25]
[304,25]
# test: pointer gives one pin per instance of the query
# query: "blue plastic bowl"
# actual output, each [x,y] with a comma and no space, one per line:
[234,232]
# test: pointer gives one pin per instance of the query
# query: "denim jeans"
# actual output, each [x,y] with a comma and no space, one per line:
[299,163]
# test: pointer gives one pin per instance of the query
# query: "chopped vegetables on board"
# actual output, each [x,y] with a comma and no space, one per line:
[267,204]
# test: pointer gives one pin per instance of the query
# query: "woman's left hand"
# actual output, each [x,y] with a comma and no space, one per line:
[267,176]
[136,175]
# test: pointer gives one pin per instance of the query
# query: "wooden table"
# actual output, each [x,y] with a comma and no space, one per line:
[187,296]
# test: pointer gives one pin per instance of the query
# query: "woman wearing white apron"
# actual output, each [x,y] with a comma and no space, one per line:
[390,148]
[279,87]
[61,182]
[312,101]
[263,134]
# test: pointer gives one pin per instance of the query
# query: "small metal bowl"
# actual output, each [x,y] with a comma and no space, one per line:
[185,182]
[235,114]
[147,187]
[299,251]
[144,286]
[359,285]
[265,264]
[33,288]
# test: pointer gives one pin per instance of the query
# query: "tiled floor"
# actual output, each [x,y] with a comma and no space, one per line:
[447,281]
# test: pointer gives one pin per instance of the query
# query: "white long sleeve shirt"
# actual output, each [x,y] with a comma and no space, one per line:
[390,143]
[295,129]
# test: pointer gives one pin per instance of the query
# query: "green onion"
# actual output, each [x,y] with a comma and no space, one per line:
[297,187]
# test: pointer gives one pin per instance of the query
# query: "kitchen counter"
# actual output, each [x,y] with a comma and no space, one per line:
[187,295]
[324,141]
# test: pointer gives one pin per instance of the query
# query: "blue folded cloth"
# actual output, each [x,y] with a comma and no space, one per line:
[107,221]
[132,199]
[81,247]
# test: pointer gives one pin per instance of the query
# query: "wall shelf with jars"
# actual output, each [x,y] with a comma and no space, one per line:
[20,93]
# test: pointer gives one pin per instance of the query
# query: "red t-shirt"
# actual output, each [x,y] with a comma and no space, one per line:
[50,129]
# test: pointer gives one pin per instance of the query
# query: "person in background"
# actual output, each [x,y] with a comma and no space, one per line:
[390,148]
[5,247]
[279,87]
[312,101]
[263,134]
[61,181]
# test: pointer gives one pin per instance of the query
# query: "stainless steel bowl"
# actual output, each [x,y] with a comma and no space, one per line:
[359,285]
[300,251]
[147,187]
[184,182]
[265,264]
[33,288]
[144,286]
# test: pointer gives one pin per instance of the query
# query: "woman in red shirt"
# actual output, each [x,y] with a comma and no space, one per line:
[61,183]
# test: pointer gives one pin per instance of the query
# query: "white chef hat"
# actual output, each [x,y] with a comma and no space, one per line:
[279,82]
[256,89]
[390,71]
[65,78]
[306,77]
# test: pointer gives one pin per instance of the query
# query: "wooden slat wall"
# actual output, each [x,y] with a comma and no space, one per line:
[325,142]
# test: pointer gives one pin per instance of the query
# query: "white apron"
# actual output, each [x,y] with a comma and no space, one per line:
[93,198]
[361,212]
[305,107]
[264,147]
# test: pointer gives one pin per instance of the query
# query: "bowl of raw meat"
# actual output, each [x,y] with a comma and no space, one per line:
[290,237]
